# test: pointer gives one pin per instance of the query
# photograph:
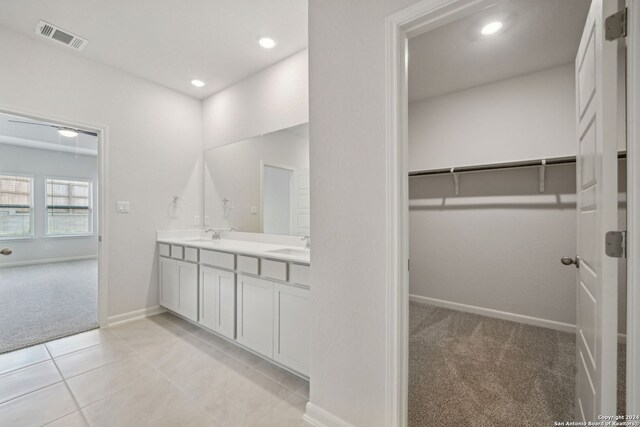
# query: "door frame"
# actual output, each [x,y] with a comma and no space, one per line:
[417,19]
[633,207]
[102,200]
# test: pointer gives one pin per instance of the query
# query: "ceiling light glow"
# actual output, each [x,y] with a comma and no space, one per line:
[68,133]
[267,43]
[491,28]
[197,83]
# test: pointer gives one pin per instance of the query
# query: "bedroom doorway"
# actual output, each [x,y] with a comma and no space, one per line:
[49,228]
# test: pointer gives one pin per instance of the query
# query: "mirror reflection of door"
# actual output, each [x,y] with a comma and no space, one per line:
[277,183]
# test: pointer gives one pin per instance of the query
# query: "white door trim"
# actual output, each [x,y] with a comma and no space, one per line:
[103,198]
[633,208]
[417,19]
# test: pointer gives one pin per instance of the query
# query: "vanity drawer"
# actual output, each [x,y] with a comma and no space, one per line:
[164,249]
[274,269]
[177,252]
[248,264]
[218,259]
[191,254]
[299,274]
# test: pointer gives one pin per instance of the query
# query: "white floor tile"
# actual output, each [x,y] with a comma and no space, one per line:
[38,408]
[107,380]
[16,383]
[72,420]
[91,358]
[21,358]
[80,341]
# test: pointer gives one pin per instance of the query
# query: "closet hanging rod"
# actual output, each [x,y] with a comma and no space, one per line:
[510,165]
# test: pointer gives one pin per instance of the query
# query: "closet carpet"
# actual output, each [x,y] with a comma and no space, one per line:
[471,370]
[46,301]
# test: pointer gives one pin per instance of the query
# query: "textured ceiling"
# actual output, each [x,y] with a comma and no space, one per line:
[537,34]
[172,42]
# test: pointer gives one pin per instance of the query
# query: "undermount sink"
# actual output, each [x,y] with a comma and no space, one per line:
[201,240]
[291,251]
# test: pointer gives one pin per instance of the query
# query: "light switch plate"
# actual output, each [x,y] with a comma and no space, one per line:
[196,220]
[123,207]
[254,210]
[206,220]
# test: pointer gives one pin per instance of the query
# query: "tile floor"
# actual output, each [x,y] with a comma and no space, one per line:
[160,371]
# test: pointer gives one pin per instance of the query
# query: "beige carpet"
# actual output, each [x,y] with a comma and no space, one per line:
[47,301]
[471,370]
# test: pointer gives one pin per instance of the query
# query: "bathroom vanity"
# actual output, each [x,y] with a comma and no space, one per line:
[253,293]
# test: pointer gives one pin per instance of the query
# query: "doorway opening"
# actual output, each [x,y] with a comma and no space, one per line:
[49,228]
[497,191]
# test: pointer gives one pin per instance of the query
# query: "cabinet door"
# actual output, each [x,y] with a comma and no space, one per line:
[169,286]
[255,314]
[188,279]
[291,337]
[226,303]
[208,299]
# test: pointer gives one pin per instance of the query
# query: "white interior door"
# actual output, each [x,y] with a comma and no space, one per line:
[596,99]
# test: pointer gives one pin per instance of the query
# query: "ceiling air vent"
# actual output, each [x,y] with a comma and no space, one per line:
[52,32]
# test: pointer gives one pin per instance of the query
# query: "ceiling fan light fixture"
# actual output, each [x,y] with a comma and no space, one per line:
[67,133]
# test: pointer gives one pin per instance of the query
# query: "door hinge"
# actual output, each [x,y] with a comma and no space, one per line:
[408,265]
[99,238]
[615,26]
[616,244]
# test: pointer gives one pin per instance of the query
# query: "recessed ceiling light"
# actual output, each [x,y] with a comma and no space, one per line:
[68,133]
[198,83]
[491,28]
[267,42]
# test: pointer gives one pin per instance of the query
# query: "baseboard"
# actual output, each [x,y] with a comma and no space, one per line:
[47,261]
[622,339]
[135,315]
[504,315]
[319,417]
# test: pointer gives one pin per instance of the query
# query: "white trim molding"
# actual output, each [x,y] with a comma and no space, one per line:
[412,21]
[102,199]
[418,19]
[119,319]
[47,261]
[633,207]
[319,417]
[504,315]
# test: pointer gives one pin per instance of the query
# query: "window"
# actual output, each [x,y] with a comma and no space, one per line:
[68,207]
[16,206]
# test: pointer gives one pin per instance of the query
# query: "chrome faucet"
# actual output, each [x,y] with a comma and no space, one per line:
[216,233]
[307,242]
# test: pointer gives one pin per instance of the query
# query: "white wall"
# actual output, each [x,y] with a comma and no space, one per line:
[42,164]
[348,197]
[154,144]
[273,99]
[498,244]
[536,120]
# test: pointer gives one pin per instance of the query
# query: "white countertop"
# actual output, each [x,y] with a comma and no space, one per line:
[242,247]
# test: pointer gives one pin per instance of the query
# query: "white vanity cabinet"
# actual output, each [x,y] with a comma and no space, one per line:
[169,285]
[188,284]
[291,330]
[255,314]
[218,301]
[262,303]
[179,286]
